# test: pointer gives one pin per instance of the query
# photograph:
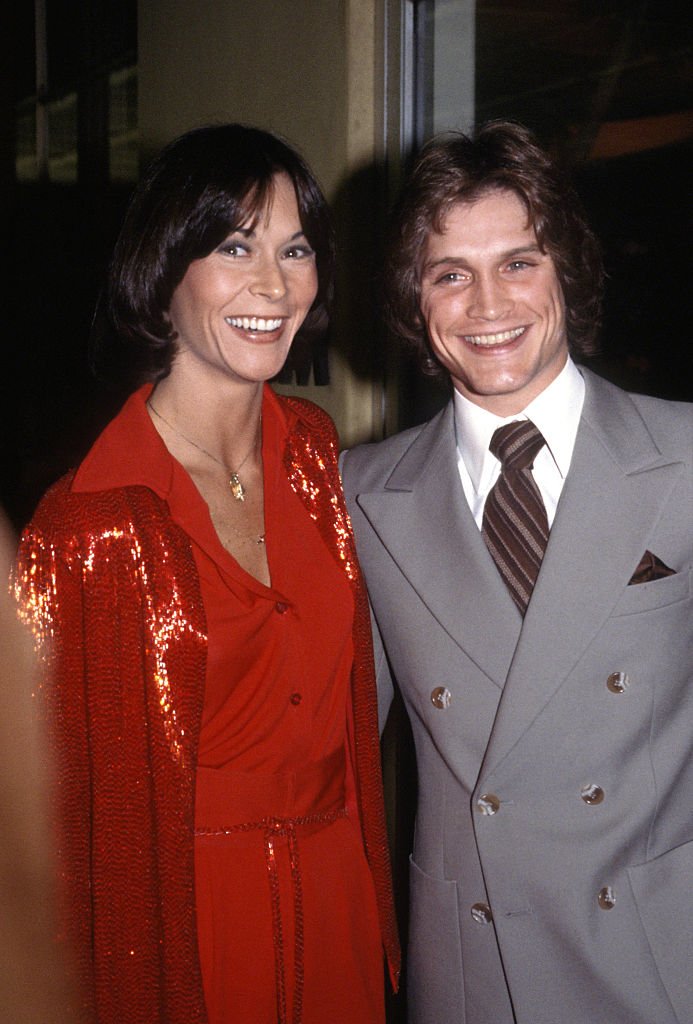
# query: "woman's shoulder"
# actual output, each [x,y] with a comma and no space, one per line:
[311,416]
[67,514]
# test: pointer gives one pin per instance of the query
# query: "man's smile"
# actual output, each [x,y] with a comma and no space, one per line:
[489,340]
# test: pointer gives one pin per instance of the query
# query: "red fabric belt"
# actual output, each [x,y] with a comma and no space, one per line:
[280,806]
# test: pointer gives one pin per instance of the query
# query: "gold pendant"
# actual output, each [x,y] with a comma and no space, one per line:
[237,488]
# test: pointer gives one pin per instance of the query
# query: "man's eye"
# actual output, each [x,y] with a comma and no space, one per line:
[450,277]
[519,265]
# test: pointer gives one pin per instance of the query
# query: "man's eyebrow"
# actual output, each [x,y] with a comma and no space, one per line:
[524,250]
[520,250]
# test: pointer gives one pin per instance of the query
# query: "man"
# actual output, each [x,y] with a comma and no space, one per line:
[548,684]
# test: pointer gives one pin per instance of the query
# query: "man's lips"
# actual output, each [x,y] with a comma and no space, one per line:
[491,340]
[256,324]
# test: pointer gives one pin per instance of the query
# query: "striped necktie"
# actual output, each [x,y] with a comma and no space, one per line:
[514,524]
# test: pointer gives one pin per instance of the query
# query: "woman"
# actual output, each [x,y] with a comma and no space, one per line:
[33,979]
[223,842]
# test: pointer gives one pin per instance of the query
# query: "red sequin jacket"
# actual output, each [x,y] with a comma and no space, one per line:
[109,585]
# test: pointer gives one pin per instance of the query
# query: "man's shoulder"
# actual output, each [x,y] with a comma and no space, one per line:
[369,465]
[665,413]
[670,423]
[651,403]
[382,452]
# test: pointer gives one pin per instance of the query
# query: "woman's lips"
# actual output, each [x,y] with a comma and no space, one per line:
[257,324]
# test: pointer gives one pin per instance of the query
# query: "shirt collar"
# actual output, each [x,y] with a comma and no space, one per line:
[555,412]
[129,451]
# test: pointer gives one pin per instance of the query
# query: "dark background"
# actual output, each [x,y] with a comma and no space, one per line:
[606,85]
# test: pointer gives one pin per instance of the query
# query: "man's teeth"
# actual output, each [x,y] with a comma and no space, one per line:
[494,339]
[253,323]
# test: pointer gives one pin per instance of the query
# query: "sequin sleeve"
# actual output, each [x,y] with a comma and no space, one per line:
[109,588]
[48,592]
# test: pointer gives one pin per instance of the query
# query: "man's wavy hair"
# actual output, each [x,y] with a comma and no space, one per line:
[202,186]
[456,168]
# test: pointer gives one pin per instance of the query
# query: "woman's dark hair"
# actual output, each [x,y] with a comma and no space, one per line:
[202,186]
[456,168]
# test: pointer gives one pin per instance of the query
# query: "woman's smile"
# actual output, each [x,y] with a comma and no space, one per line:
[237,310]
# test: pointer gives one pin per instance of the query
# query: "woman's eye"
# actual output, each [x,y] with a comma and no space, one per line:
[298,252]
[233,248]
[519,265]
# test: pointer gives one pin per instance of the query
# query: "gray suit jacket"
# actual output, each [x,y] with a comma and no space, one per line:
[590,890]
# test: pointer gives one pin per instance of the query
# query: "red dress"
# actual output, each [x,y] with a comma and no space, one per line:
[111,585]
[274,847]
[132,610]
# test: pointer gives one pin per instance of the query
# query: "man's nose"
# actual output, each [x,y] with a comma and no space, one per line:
[488,299]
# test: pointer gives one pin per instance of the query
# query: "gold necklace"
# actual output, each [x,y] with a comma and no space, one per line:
[255,538]
[237,488]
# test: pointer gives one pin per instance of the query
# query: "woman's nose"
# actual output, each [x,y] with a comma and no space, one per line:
[269,280]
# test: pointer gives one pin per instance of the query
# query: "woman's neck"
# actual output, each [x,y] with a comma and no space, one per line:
[223,422]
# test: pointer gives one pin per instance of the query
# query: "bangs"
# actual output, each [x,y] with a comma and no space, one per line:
[252,204]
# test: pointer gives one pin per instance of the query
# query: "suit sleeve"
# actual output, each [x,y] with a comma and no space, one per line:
[383,676]
[382,668]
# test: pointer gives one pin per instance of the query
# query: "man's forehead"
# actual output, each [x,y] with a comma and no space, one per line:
[498,218]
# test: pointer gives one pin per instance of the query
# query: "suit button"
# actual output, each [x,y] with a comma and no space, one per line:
[281,607]
[592,794]
[441,697]
[481,913]
[618,682]
[606,898]
[488,803]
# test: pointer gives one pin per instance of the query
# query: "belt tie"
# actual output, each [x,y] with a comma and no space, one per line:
[273,829]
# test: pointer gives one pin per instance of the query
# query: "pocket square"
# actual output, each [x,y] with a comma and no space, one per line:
[650,568]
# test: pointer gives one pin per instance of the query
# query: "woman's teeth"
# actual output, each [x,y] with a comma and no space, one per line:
[253,323]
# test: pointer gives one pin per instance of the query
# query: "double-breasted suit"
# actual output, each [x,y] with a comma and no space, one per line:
[552,870]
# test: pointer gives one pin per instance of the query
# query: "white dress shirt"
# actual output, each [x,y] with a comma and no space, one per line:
[555,412]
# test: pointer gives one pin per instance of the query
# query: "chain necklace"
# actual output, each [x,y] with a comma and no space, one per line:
[257,538]
[237,488]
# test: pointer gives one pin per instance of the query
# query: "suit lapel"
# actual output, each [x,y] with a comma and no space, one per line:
[617,485]
[422,518]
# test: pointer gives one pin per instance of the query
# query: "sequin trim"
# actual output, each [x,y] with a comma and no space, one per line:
[310,479]
[312,467]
